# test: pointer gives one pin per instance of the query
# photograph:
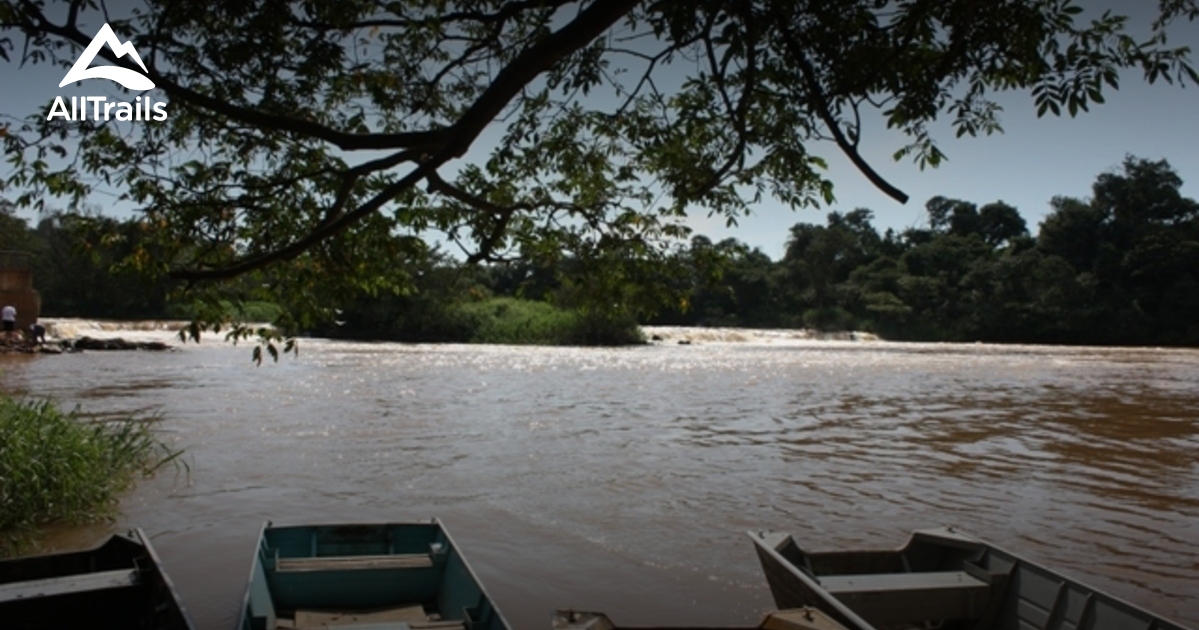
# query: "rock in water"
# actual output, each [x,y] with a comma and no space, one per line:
[89,343]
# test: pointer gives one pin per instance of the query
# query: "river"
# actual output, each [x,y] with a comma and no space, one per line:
[624,479]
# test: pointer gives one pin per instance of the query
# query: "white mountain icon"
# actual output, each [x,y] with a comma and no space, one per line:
[126,77]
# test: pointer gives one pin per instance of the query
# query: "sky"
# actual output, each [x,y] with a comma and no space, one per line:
[1034,160]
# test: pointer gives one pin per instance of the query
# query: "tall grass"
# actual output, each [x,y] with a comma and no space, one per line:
[59,467]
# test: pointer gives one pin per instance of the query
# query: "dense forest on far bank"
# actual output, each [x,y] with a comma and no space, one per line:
[1121,267]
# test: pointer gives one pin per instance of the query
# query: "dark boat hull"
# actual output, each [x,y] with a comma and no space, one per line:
[119,585]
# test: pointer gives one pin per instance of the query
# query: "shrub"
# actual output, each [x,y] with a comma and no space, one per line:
[513,321]
[526,322]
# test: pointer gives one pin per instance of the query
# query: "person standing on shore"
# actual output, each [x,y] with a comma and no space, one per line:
[9,317]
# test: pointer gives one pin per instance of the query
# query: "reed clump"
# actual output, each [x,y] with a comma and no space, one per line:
[58,466]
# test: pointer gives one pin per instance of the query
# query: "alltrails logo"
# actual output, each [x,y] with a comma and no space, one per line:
[101,107]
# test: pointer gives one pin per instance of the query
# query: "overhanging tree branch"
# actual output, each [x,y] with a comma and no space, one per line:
[525,67]
[536,59]
[425,140]
[821,105]
[505,13]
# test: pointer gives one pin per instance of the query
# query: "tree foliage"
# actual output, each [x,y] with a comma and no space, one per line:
[303,137]
[1121,267]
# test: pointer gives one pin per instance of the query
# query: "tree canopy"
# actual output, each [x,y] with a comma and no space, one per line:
[327,140]
[1121,267]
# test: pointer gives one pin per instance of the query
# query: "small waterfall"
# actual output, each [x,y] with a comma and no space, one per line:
[166,330]
[71,328]
[684,335]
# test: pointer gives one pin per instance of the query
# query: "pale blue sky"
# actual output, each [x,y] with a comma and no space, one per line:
[1034,160]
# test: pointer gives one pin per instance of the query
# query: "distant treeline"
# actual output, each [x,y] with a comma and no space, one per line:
[77,268]
[1119,268]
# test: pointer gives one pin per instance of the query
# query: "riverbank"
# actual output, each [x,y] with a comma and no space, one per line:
[69,335]
[62,467]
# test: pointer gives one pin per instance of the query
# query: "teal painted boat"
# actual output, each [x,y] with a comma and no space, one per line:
[399,576]
[118,585]
[940,579]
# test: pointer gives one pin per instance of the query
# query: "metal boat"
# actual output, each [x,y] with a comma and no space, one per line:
[395,576]
[796,619]
[118,585]
[940,579]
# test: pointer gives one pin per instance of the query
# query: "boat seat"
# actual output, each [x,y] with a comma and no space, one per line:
[904,597]
[401,618]
[77,583]
[284,624]
[351,563]
[289,624]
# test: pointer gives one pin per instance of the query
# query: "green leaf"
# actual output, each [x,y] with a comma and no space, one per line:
[1190,72]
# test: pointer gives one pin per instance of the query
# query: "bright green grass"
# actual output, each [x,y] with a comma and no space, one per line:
[60,467]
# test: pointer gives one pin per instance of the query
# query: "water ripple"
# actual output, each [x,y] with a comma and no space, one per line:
[655,459]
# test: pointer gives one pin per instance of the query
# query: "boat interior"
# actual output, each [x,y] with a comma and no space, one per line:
[119,582]
[943,579]
[381,577]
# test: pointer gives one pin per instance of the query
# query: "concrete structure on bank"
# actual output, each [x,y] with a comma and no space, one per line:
[16,288]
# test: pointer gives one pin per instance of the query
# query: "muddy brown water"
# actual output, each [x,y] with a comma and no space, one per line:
[624,479]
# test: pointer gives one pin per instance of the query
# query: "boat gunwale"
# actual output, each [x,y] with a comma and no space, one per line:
[164,576]
[839,611]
